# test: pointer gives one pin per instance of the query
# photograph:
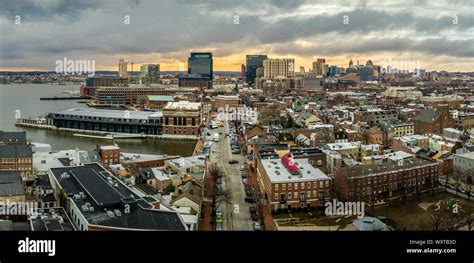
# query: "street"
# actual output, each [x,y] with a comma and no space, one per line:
[236,215]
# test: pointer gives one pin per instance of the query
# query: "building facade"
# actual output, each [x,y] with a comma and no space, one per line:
[182,118]
[377,182]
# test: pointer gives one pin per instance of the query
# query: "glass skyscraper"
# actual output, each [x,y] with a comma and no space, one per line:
[200,63]
[253,62]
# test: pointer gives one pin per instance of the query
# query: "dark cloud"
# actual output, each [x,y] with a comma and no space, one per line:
[54,29]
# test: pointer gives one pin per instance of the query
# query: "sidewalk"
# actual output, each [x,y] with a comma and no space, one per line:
[266,214]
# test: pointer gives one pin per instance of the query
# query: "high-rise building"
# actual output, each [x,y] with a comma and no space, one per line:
[351,63]
[150,73]
[274,68]
[366,73]
[333,71]
[122,69]
[253,62]
[242,72]
[320,67]
[200,63]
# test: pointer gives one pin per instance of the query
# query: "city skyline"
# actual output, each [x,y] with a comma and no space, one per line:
[438,36]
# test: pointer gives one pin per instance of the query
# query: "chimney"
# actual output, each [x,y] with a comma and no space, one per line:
[156,205]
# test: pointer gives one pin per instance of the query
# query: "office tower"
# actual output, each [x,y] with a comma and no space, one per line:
[242,72]
[200,63]
[150,73]
[122,69]
[365,73]
[273,68]
[325,69]
[320,67]
[333,71]
[259,72]
[253,62]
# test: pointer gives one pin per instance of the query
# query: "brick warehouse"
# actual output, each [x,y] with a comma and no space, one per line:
[377,182]
[289,186]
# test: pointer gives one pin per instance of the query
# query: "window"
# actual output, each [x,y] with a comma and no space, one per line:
[276,196]
[308,194]
[193,122]
[314,193]
[302,186]
[184,121]
[321,184]
[320,162]
[289,187]
[308,185]
[295,195]
[276,187]
[283,187]
[296,186]
[314,185]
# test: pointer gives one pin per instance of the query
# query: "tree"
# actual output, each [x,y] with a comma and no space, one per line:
[62,198]
[269,116]
[169,189]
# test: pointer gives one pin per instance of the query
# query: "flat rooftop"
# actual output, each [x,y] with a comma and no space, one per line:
[116,114]
[386,167]
[343,145]
[107,200]
[11,184]
[183,105]
[279,174]
[15,151]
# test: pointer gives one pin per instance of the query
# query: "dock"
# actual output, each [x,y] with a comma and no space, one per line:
[67,98]
[33,123]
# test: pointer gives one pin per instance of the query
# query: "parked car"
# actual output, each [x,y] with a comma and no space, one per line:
[219,216]
[256,226]
[219,227]
[253,213]
[233,161]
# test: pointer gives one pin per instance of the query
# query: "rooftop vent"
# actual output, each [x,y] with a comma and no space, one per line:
[110,214]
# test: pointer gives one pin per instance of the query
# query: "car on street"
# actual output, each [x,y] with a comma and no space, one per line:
[233,161]
[219,216]
[253,213]
[219,227]
[248,199]
[256,226]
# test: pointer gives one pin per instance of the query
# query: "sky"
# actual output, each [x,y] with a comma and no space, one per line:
[436,35]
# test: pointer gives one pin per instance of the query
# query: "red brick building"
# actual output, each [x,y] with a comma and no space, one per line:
[291,184]
[377,182]
[109,154]
[433,121]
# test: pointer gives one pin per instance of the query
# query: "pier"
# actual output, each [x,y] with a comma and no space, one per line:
[67,98]
[41,124]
